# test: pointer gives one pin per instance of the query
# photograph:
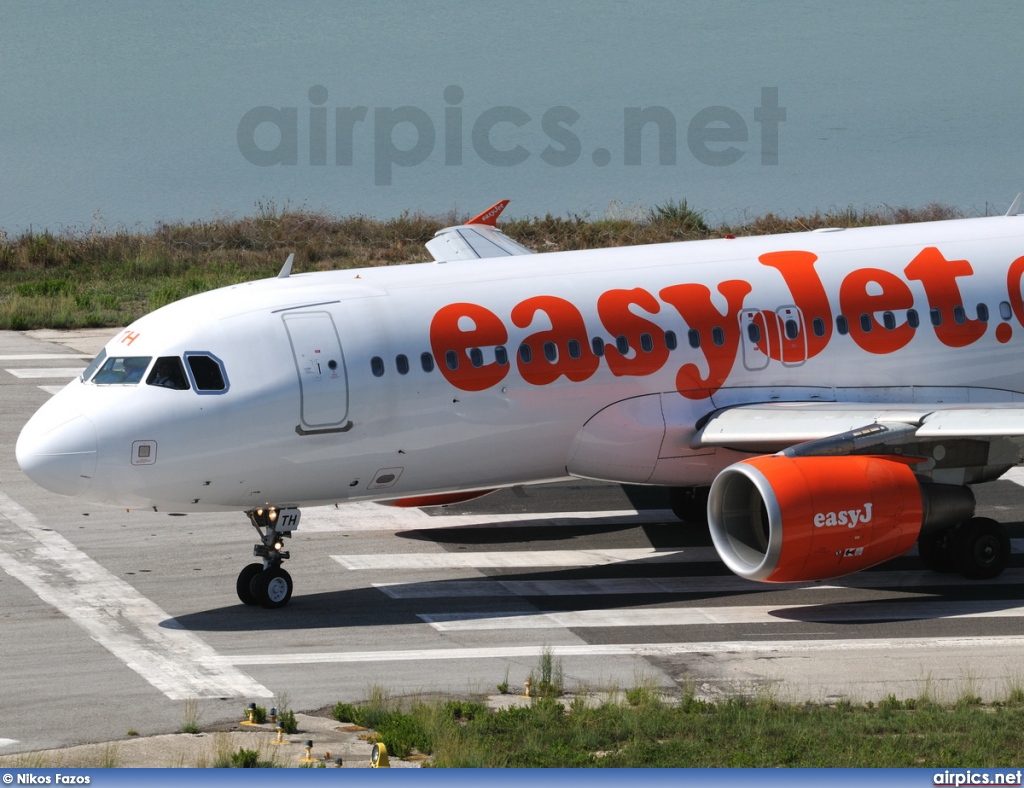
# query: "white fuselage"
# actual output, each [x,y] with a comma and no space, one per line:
[767,315]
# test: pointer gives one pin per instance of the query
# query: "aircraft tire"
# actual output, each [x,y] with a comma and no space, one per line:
[272,588]
[981,549]
[934,551]
[244,583]
[689,504]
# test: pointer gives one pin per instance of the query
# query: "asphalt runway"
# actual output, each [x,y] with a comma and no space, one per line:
[113,621]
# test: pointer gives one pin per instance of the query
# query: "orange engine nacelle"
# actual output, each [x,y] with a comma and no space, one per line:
[785,519]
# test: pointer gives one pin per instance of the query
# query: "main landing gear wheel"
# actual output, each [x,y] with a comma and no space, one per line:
[245,578]
[980,548]
[272,587]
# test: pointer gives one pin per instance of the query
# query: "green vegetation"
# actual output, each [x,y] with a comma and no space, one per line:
[109,278]
[648,730]
[191,716]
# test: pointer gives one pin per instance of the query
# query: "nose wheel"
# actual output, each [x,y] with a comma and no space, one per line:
[267,584]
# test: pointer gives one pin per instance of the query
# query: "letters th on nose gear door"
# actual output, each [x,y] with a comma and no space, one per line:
[320,363]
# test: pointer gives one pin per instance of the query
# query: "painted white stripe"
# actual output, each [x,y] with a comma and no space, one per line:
[519,558]
[495,587]
[51,389]
[118,617]
[43,356]
[742,614]
[52,372]
[972,644]
[364,516]
[7,742]
[1015,475]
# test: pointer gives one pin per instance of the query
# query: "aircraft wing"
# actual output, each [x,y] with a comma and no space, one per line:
[840,428]
[476,239]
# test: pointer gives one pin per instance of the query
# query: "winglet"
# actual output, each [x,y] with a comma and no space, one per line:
[1015,207]
[490,216]
[286,269]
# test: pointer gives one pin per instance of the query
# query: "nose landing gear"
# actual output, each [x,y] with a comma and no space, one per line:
[267,584]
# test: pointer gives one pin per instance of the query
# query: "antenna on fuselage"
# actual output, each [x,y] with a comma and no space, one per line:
[286,269]
[1015,207]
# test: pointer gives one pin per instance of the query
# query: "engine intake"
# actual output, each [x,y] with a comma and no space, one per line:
[780,519]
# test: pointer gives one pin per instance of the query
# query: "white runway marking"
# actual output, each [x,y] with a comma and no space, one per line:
[51,389]
[115,615]
[496,587]
[364,516]
[1015,475]
[42,372]
[42,356]
[741,614]
[527,558]
[7,742]
[971,644]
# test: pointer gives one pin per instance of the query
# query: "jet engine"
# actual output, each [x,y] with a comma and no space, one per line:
[784,519]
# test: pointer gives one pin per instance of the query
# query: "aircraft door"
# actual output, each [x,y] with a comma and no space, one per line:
[320,364]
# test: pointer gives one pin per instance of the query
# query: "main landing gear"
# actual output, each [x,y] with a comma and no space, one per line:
[267,584]
[978,549]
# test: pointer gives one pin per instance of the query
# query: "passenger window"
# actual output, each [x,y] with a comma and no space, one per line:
[936,316]
[525,354]
[889,320]
[866,324]
[646,342]
[377,366]
[622,344]
[476,357]
[670,340]
[754,332]
[959,315]
[913,320]
[207,372]
[125,370]
[792,329]
[842,325]
[1005,312]
[451,358]
[983,313]
[550,352]
[718,336]
[501,355]
[597,345]
[168,373]
[575,351]
[818,327]
[693,337]
[427,362]
[402,364]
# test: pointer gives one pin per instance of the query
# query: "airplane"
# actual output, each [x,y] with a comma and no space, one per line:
[823,400]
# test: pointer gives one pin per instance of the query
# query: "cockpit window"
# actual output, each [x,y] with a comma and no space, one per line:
[207,373]
[168,373]
[125,370]
[94,365]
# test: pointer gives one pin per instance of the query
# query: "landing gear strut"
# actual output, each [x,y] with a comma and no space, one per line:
[978,549]
[267,584]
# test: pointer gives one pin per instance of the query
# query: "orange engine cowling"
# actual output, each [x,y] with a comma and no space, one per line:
[784,519]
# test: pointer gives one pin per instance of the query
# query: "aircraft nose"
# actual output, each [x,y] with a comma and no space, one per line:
[60,458]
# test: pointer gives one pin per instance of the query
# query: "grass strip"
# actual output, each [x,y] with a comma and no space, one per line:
[105,278]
